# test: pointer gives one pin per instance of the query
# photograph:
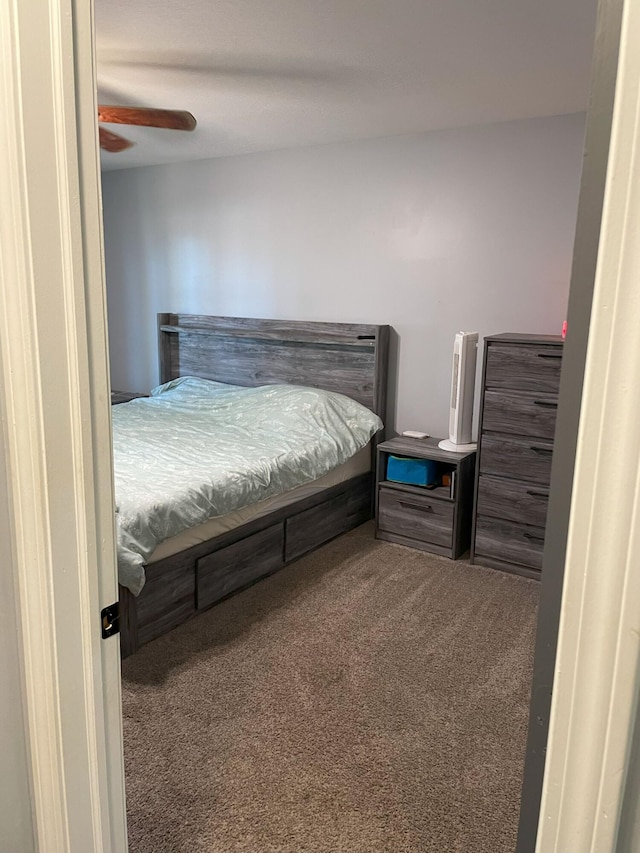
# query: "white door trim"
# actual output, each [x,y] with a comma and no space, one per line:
[597,667]
[54,383]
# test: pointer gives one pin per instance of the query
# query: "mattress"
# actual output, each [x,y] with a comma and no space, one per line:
[358,464]
[198,450]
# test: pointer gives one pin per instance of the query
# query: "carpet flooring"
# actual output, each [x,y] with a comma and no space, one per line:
[368,698]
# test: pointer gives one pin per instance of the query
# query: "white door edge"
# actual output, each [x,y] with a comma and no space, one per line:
[57,430]
[55,387]
[597,666]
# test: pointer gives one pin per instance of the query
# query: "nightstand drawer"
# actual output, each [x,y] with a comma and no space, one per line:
[524,459]
[524,368]
[415,516]
[512,543]
[513,501]
[520,414]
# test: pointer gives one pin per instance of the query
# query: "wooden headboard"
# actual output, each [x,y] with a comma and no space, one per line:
[349,358]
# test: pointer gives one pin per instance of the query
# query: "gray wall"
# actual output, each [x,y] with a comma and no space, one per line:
[464,229]
[16,832]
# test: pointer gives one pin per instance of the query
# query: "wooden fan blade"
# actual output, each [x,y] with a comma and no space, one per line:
[147,117]
[112,142]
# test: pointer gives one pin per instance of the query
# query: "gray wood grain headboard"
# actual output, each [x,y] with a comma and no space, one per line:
[349,358]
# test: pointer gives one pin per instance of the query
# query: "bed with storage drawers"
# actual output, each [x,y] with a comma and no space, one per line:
[191,571]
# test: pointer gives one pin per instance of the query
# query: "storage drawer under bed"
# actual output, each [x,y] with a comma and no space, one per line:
[167,598]
[311,528]
[228,569]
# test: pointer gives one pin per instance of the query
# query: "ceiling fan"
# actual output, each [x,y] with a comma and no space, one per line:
[142,116]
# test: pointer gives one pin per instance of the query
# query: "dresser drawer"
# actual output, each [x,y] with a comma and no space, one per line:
[524,367]
[520,414]
[513,501]
[415,516]
[524,459]
[511,543]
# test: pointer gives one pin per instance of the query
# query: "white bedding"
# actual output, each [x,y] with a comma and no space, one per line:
[198,450]
[358,464]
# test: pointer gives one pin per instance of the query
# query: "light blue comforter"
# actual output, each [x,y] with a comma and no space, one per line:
[197,449]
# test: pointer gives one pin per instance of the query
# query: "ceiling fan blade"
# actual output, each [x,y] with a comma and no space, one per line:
[147,117]
[112,141]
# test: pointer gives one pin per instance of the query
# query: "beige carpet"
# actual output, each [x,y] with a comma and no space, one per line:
[367,698]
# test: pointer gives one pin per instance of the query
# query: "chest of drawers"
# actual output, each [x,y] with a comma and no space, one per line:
[520,386]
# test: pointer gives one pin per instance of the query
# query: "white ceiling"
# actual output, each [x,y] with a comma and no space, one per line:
[267,74]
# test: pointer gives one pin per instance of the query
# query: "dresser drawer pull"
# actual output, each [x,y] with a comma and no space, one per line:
[549,355]
[533,494]
[544,451]
[419,507]
[534,538]
[546,404]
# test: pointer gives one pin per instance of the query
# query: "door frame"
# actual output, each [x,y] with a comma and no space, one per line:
[54,384]
[583,275]
[597,665]
[55,394]
[587,665]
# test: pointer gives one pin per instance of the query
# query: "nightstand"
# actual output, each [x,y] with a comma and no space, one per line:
[125,396]
[431,519]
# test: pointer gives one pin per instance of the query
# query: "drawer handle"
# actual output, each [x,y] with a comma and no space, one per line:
[534,538]
[537,494]
[419,507]
[545,451]
[545,404]
[549,355]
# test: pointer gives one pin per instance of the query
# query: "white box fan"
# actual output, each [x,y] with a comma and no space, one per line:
[463,383]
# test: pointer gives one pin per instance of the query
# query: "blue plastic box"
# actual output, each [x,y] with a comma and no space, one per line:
[414,472]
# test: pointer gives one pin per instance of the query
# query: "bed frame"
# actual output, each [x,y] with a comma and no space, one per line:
[344,357]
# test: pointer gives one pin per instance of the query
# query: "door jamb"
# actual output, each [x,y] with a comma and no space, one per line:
[56,401]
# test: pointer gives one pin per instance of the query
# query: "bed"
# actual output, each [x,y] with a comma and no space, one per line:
[192,571]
